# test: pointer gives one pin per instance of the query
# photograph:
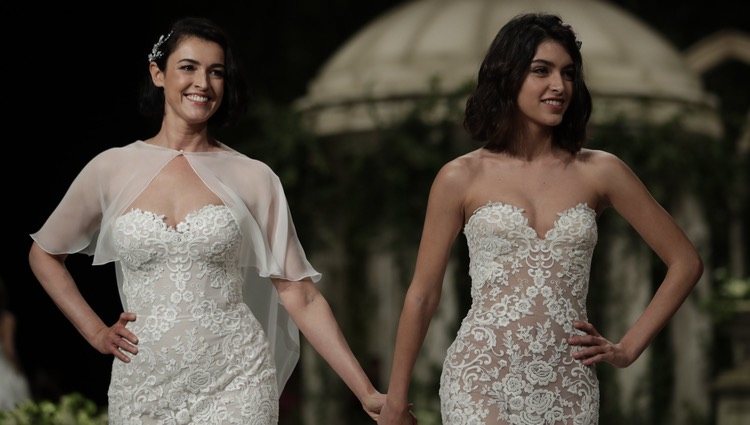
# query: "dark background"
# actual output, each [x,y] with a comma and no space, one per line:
[71,77]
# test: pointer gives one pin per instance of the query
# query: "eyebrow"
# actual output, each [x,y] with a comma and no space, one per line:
[548,63]
[195,62]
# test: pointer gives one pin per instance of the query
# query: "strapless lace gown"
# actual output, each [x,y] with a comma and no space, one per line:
[203,357]
[510,362]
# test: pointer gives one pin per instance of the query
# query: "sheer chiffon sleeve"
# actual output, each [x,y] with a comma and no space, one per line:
[285,258]
[281,257]
[270,247]
[74,224]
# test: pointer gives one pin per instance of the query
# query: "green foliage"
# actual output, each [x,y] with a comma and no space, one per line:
[362,184]
[730,296]
[670,160]
[72,409]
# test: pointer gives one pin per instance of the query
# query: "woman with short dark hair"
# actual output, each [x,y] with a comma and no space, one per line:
[190,225]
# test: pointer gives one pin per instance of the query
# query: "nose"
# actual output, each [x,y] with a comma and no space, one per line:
[201,80]
[556,82]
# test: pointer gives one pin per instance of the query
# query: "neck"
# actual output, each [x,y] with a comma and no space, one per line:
[183,138]
[533,143]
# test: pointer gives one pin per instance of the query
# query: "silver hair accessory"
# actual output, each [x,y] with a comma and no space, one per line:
[156,51]
[578,44]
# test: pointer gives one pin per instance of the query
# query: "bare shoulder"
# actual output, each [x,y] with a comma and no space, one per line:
[457,173]
[601,163]
[450,187]
[597,158]
[611,177]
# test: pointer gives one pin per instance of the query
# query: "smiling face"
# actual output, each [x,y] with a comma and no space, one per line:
[548,86]
[193,81]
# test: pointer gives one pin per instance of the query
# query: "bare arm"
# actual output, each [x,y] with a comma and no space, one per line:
[443,221]
[51,272]
[312,314]
[630,198]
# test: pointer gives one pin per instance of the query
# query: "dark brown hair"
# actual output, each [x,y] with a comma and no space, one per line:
[234,103]
[492,114]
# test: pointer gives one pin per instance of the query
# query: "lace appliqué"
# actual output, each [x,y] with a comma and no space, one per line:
[510,362]
[203,357]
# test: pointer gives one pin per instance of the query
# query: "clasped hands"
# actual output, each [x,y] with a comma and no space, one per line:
[394,413]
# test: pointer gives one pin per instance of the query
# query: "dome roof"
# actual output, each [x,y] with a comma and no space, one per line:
[404,52]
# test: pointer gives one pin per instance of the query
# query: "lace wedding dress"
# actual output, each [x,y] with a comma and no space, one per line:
[510,363]
[203,357]
[215,344]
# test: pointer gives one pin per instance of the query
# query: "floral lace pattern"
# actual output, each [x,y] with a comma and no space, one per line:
[510,363]
[203,357]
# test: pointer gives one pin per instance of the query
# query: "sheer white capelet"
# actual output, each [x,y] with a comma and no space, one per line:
[109,183]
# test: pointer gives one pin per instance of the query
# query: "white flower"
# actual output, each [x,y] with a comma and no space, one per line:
[204,409]
[513,383]
[516,402]
[183,417]
[176,399]
[523,305]
[536,347]
[539,372]
[540,401]
[553,414]
[170,314]
[187,296]
[198,379]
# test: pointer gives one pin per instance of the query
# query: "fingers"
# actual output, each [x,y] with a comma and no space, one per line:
[587,340]
[124,344]
[596,348]
[122,340]
[596,359]
[126,317]
[586,327]
[587,354]
[402,417]
[120,355]
[122,330]
[591,357]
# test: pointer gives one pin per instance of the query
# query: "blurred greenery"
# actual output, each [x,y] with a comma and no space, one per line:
[71,409]
[369,191]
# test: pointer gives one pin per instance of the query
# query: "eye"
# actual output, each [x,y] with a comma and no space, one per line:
[569,74]
[218,73]
[187,67]
[540,70]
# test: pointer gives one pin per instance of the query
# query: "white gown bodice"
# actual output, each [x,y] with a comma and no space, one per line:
[203,357]
[510,362]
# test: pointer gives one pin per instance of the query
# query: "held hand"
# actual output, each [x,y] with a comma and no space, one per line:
[117,338]
[597,349]
[393,415]
[373,403]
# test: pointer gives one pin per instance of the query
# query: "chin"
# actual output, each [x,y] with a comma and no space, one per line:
[554,122]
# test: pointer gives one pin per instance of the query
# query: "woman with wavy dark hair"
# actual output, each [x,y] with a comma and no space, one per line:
[527,202]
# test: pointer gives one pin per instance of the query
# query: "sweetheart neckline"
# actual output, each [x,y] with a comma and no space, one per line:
[525,223]
[162,217]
